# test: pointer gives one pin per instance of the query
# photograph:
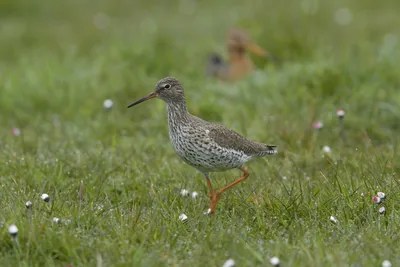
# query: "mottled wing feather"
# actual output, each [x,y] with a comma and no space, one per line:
[232,140]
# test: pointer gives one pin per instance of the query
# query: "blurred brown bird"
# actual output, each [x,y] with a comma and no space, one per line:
[240,64]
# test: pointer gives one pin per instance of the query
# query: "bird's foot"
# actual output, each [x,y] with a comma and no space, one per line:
[214,197]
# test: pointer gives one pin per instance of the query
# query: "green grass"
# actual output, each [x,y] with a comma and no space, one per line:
[57,68]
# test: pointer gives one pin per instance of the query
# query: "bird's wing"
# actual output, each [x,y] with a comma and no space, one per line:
[232,140]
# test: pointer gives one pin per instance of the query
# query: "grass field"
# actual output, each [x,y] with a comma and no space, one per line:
[113,177]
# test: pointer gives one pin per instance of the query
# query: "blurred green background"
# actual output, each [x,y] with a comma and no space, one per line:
[115,176]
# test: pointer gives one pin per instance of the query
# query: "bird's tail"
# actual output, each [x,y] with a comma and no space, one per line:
[269,150]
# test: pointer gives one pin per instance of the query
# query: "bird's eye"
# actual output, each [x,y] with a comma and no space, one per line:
[167,86]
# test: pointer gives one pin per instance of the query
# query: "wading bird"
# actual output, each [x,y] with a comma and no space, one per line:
[204,145]
[240,64]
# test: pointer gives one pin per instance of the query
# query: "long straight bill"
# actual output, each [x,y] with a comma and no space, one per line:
[150,96]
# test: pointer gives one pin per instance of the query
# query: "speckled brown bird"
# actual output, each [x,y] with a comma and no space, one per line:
[240,64]
[206,146]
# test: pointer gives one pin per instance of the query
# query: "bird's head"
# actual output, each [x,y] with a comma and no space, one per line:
[239,42]
[168,89]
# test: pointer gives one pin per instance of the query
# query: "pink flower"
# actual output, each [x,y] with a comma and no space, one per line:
[317,125]
[16,132]
[340,113]
[376,199]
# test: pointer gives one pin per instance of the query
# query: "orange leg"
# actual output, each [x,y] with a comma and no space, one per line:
[215,196]
[209,186]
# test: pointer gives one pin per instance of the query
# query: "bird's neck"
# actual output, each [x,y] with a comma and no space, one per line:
[240,64]
[239,57]
[177,113]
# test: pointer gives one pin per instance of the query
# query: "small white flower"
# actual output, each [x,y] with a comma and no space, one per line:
[207,212]
[310,7]
[56,220]
[229,263]
[28,204]
[381,195]
[327,149]
[183,217]
[56,120]
[185,192]
[362,194]
[274,261]
[13,230]
[195,195]
[340,113]
[45,197]
[101,21]
[108,103]
[382,210]
[343,16]
[333,219]
[386,263]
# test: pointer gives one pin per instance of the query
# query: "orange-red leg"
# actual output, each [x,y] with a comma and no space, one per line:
[215,196]
[210,189]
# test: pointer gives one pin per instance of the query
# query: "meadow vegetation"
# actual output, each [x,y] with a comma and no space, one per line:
[113,178]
